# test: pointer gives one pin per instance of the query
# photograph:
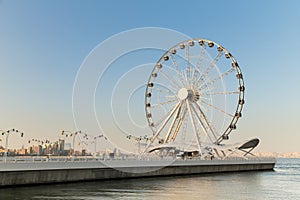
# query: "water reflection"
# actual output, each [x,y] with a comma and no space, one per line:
[218,186]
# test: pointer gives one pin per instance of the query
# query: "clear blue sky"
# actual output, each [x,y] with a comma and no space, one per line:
[43,44]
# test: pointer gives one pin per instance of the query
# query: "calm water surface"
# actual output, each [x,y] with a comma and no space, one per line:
[283,183]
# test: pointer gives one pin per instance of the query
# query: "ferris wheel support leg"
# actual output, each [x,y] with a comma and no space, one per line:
[202,125]
[172,124]
[163,125]
[178,125]
[205,119]
[194,126]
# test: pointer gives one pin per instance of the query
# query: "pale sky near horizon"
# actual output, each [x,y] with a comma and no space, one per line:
[43,44]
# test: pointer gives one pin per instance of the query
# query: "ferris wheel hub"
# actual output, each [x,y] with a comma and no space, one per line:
[189,94]
[183,94]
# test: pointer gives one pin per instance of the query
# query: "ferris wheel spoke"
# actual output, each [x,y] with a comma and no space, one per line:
[205,98]
[166,92]
[198,63]
[220,93]
[220,77]
[199,79]
[171,96]
[184,76]
[163,103]
[174,63]
[161,92]
[193,76]
[201,55]
[211,65]
[169,90]
[177,69]
[216,108]
[188,64]
[170,79]
[209,125]
[204,108]
[193,124]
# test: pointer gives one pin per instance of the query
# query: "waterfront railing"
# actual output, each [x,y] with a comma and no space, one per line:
[39,159]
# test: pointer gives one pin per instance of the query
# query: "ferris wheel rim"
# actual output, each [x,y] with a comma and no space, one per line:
[241,87]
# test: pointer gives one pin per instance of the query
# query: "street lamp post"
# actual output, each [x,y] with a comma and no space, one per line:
[82,144]
[73,141]
[138,140]
[95,142]
[7,133]
[40,143]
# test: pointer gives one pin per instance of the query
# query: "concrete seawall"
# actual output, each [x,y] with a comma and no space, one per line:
[12,174]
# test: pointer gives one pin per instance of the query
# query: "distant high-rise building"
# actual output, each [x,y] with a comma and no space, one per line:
[67,146]
[61,145]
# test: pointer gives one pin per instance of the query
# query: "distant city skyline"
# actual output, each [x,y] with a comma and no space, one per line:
[43,45]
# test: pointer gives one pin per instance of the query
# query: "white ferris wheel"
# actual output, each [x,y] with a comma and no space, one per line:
[194,95]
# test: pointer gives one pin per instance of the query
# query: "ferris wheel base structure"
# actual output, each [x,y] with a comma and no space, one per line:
[46,172]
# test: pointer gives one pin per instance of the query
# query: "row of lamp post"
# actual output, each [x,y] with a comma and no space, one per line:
[71,134]
[64,133]
[7,134]
[39,141]
[138,140]
[95,141]
[85,136]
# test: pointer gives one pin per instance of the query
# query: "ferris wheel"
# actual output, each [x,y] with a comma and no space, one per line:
[194,95]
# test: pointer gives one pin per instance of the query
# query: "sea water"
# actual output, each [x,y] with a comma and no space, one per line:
[282,183]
